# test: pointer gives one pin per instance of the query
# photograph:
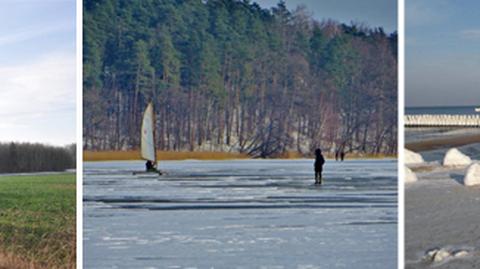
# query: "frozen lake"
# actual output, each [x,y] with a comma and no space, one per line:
[241,214]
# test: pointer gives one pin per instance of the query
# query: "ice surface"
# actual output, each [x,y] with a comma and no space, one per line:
[472,177]
[454,157]
[410,175]
[241,214]
[412,157]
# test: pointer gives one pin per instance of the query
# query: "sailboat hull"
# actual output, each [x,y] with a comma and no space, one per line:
[156,173]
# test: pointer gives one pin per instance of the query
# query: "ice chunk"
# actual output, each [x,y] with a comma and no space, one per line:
[441,255]
[454,157]
[472,177]
[410,176]
[430,254]
[460,254]
[412,157]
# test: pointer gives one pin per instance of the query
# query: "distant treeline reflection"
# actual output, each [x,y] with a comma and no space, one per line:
[35,157]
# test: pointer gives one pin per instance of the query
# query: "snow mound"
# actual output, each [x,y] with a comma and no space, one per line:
[440,255]
[461,254]
[412,157]
[410,176]
[454,157]
[472,177]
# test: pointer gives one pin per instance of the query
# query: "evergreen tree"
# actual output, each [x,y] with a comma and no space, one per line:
[230,75]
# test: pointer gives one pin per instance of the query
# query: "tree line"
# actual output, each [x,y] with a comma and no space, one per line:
[33,157]
[228,75]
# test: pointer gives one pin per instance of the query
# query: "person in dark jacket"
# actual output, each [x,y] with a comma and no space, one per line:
[319,161]
[152,167]
[149,166]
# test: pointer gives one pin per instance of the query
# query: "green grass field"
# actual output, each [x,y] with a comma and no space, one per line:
[37,220]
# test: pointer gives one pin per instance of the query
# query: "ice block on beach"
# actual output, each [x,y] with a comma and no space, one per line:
[410,176]
[472,177]
[412,157]
[454,157]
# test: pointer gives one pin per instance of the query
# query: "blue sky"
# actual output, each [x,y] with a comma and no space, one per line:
[37,71]
[374,13]
[442,64]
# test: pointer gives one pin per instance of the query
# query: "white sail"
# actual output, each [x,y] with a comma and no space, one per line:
[148,142]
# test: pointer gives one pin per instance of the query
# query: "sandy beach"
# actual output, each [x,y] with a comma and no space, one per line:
[440,212]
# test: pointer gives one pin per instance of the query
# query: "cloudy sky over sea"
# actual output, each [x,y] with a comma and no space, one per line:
[442,65]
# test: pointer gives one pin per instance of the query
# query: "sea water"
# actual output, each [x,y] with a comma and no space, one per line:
[241,214]
[449,110]
[426,133]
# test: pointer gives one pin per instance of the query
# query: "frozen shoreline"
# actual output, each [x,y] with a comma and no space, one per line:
[440,212]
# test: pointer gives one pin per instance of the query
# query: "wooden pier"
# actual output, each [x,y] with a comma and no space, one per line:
[442,121]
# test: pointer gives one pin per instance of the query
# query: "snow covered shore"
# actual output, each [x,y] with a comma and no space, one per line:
[442,211]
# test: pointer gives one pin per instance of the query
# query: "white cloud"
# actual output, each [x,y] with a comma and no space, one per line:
[470,34]
[37,100]
[426,12]
[21,35]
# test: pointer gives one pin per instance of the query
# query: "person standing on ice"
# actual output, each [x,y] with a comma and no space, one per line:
[319,161]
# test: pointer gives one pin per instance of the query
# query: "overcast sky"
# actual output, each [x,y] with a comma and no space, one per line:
[442,64]
[374,13]
[37,71]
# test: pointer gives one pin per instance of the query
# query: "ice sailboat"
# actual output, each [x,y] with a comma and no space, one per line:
[147,147]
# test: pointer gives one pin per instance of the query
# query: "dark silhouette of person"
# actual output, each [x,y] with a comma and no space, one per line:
[152,167]
[336,155]
[149,166]
[319,161]
[342,155]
